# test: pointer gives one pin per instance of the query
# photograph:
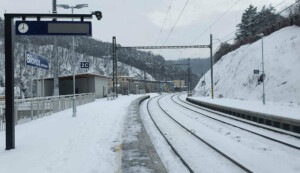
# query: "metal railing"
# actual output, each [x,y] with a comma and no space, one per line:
[38,107]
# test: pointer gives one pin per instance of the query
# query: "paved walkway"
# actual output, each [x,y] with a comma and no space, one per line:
[138,153]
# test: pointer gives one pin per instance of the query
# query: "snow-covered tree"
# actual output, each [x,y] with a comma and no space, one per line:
[247,27]
[266,17]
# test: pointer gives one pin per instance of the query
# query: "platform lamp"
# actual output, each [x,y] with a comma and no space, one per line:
[78,6]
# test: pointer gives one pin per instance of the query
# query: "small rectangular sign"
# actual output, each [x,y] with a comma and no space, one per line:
[35,60]
[84,64]
[256,71]
[53,28]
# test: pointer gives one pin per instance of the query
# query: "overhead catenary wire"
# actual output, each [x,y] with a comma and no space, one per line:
[169,9]
[265,18]
[201,34]
[219,18]
[289,7]
[172,29]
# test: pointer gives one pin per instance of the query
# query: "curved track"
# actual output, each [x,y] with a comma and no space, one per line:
[230,159]
[236,126]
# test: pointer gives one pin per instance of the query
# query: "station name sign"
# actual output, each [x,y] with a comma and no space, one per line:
[53,28]
[35,60]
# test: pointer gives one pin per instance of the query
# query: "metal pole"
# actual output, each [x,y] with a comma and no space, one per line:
[37,95]
[128,88]
[189,76]
[107,94]
[74,61]
[263,70]
[115,67]
[56,65]
[9,83]
[43,94]
[31,88]
[211,67]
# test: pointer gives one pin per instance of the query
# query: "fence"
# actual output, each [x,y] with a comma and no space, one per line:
[30,109]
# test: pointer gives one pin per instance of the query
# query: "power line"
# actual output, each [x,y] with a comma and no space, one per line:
[263,17]
[288,7]
[216,20]
[164,21]
[176,22]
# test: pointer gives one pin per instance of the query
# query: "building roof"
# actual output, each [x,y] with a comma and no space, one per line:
[82,75]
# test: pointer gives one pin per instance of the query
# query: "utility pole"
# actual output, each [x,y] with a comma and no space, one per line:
[211,67]
[54,55]
[115,66]
[189,76]
[263,70]
[145,87]
[261,35]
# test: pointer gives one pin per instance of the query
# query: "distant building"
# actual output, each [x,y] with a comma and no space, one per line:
[121,80]
[84,83]
[178,83]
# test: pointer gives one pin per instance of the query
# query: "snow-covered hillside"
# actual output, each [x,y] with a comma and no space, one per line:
[234,77]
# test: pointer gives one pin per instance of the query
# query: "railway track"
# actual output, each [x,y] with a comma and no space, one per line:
[236,126]
[220,153]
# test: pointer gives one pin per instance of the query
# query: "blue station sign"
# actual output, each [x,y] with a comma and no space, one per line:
[53,28]
[35,60]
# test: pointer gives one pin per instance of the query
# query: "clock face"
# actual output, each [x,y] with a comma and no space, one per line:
[23,27]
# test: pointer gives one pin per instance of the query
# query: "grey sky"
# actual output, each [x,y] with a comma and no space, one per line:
[138,22]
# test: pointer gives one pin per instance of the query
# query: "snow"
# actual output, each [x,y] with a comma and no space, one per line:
[254,152]
[2,91]
[270,108]
[171,162]
[234,78]
[90,142]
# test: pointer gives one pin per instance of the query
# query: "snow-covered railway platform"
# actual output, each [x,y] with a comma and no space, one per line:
[90,142]
[138,152]
[272,116]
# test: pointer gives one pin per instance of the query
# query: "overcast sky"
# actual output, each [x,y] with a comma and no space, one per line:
[138,22]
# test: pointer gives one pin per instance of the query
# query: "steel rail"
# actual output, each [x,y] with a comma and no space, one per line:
[205,142]
[166,139]
[272,139]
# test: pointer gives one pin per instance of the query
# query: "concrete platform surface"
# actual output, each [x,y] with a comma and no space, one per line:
[138,153]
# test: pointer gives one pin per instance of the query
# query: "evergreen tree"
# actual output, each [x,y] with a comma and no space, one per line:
[266,17]
[247,27]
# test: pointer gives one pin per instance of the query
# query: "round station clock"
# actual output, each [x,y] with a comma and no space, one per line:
[23,27]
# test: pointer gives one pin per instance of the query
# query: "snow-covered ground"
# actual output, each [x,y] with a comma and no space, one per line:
[60,144]
[234,77]
[252,151]
[2,91]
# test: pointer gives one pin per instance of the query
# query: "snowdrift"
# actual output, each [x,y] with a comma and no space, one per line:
[234,77]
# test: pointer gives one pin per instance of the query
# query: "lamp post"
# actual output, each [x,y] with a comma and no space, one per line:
[261,35]
[78,6]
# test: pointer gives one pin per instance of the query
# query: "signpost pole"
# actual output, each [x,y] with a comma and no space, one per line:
[74,82]
[211,67]
[43,94]
[31,88]
[9,84]
[37,94]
